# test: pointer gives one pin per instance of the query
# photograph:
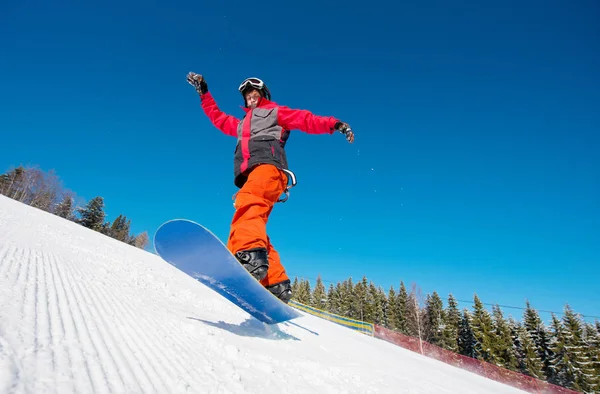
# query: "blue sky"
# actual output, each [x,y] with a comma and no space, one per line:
[475,167]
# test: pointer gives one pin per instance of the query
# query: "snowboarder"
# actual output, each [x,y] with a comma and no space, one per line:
[261,171]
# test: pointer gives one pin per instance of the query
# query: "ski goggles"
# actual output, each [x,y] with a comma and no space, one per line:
[254,82]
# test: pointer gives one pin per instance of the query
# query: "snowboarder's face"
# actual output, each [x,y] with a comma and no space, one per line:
[252,98]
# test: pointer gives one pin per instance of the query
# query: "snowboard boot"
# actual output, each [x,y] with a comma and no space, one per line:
[282,290]
[254,261]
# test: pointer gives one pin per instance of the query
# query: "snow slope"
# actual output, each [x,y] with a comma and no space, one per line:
[83,313]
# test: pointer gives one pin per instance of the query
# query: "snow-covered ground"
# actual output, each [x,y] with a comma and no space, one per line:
[83,313]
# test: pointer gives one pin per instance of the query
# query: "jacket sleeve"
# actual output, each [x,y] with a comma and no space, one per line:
[226,123]
[303,120]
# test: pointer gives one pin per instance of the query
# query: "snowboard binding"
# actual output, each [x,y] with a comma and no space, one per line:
[255,261]
[282,290]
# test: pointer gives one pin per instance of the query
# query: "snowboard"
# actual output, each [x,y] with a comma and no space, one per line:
[195,250]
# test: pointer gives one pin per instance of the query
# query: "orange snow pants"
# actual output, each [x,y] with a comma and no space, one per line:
[253,205]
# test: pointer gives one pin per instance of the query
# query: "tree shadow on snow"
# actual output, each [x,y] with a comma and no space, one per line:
[251,328]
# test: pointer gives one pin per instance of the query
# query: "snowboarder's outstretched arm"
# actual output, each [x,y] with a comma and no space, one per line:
[226,123]
[310,123]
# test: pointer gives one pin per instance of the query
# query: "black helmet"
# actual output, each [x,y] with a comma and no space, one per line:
[257,84]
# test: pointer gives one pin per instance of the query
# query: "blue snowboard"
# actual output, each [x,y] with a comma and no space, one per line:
[199,253]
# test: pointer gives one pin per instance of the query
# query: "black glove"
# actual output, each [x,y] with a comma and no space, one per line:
[198,82]
[345,129]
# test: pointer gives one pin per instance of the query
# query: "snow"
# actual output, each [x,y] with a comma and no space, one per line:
[83,313]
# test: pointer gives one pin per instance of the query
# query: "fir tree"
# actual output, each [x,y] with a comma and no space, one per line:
[540,336]
[591,340]
[570,366]
[401,322]
[391,315]
[503,352]
[466,338]
[65,208]
[333,298]
[580,368]
[120,229]
[451,325]
[304,292]
[13,183]
[346,298]
[483,329]
[559,362]
[92,216]
[319,297]
[514,328]
[379,304]
[433,324]
[4,182]
[528,362]
[295,288]
[105,228]
[361,308]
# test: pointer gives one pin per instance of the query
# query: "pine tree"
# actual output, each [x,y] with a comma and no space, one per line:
[451,325]
[401,322]
[591,340]
[391,315]
[559,362]
[517,348]
[92,216]
[13,183]
[295,289]
[483,329]
[65,208]
[120,229]
[333,298]
[541,338]
[503,352]
[4,183]
[528,362]
[105,228]
[379,304]
[369,304]
[433,324]
[319,297]
[347,298]
[360,301]
[467,343]
[580,368]
[303,292]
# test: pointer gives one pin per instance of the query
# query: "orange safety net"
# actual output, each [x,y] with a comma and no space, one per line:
[490,371]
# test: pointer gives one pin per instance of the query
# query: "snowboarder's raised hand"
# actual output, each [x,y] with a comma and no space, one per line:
[345,129]
[198,82]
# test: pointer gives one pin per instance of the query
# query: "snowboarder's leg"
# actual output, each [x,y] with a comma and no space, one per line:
[276,272]
[254,202]
[277,280]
